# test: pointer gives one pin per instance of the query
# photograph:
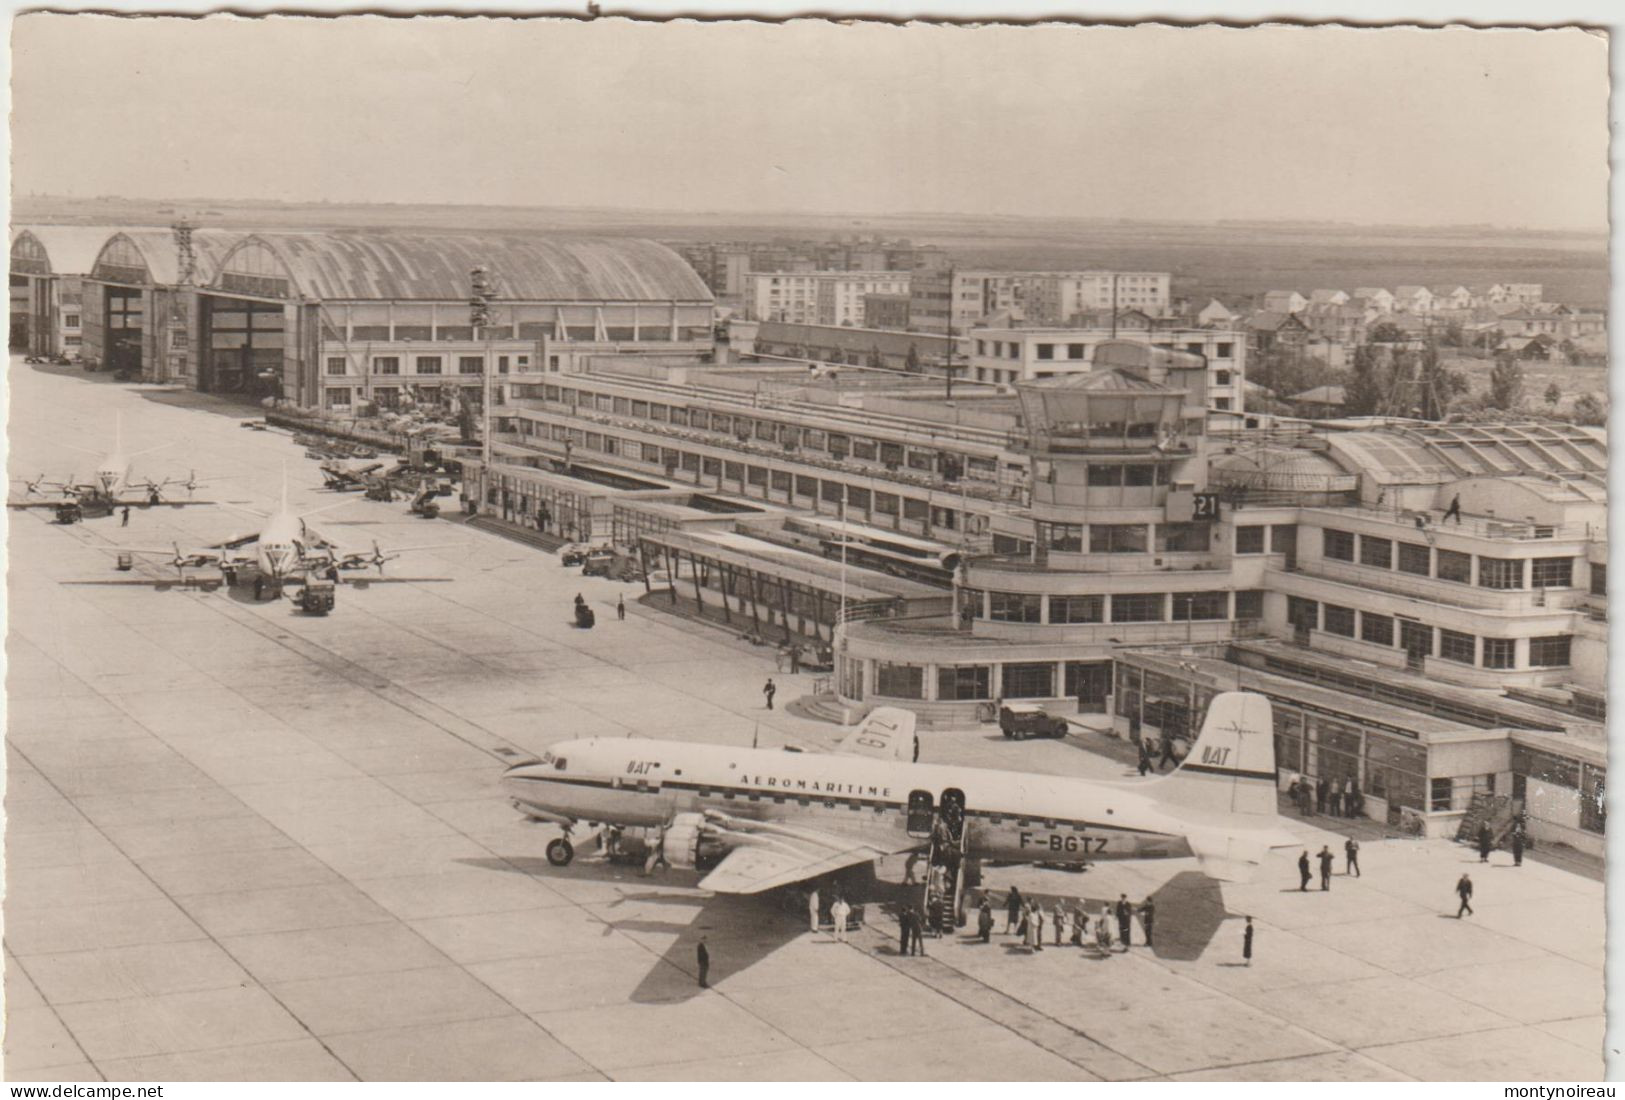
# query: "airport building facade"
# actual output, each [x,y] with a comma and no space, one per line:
[1094,546]
[339,320]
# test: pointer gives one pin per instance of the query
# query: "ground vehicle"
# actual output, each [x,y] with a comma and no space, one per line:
[69,511]
[316,597]
[423,502]
[598,562]
[572,553]
[584,616]
[1023,720]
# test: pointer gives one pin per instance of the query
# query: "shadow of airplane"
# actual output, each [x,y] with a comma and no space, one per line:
[743,930]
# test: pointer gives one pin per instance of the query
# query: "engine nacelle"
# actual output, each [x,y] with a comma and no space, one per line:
[683,838]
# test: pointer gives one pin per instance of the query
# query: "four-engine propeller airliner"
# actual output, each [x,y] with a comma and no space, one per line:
[782,817]
[110,480]
[285,547]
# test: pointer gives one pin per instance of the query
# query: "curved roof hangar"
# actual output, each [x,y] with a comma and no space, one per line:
[389,266]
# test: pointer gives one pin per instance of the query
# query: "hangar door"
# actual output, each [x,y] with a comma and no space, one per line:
[242,346]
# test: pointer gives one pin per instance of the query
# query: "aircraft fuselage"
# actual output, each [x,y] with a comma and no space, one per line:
[1008,815]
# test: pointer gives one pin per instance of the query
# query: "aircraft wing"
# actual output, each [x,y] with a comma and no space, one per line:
[767,854]
[887,733]
[750,869]
[236,542]
[38,503]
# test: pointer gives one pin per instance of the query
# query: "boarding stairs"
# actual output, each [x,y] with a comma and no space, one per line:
[945,869]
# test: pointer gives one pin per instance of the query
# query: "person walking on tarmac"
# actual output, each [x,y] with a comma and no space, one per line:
[620,608]
[1247,943]
[905,930]
[1464,890]
[1351,856]
[703,957]
[984,922]
[1145,759]
[838,911]
[1125,913]
[769,689]
[1486,843]
[1517,847]
[1303,870]
[812,910]
[1148,915]
[124,516]
[1326,859]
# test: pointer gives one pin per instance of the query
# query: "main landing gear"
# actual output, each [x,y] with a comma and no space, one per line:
[560,852]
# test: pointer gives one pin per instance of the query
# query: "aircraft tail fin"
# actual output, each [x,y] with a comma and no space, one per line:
[1231,768]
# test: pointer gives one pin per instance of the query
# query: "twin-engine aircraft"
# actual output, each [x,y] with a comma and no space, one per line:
[111,484]
[779,817]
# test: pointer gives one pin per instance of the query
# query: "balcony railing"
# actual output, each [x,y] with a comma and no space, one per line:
[979,490]
[1488,527]
[1433,590]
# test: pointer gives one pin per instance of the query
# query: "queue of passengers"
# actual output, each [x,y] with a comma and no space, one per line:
[1069,922]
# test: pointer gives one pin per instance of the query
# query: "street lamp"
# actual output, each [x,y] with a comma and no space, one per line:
[479,316]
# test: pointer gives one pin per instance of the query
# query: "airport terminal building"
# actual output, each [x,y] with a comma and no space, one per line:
[1096,545]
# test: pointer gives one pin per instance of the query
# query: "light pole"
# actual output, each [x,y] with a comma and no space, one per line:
[479,316]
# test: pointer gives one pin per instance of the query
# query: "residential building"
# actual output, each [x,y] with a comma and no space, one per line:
[1216,315]
[1008,355]
[1413,299]
[955,301]
[1339,323]
[1452,297]
[1284,301]
[817,297]
[1050,297]
[1267,330]
[1328,297]
[1375,296]
[886,311]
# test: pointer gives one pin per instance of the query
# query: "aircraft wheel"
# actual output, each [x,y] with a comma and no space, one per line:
[560,852]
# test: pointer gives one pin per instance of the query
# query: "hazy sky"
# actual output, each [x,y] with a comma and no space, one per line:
[1407,126]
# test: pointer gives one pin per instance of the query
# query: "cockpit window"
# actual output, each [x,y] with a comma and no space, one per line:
[558,764]
[547,758]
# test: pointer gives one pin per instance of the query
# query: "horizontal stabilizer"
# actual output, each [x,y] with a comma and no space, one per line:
[887,733]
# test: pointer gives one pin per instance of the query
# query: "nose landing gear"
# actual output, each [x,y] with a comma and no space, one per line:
[560,852]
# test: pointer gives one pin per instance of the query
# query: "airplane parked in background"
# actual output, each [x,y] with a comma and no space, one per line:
[285,548]
[110,483]
[782,817]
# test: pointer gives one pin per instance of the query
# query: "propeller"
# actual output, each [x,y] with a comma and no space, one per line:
[33,487]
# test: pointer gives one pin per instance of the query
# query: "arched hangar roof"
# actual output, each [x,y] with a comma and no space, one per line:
[57,249]
[152,255]
[372,265]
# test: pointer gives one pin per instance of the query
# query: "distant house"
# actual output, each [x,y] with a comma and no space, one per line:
[1215,314]
[1320,401]
[1128,320]
[1524,294]
[1578,324]
[1284,301]
[1526,322]
[1376,296]
[1452,297]
[1267,329]
[1328,297]
[1413,299]
[1339,323]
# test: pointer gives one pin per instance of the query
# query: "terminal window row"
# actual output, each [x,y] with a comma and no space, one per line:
[1445,565]
[1551,651]
[1124,607]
